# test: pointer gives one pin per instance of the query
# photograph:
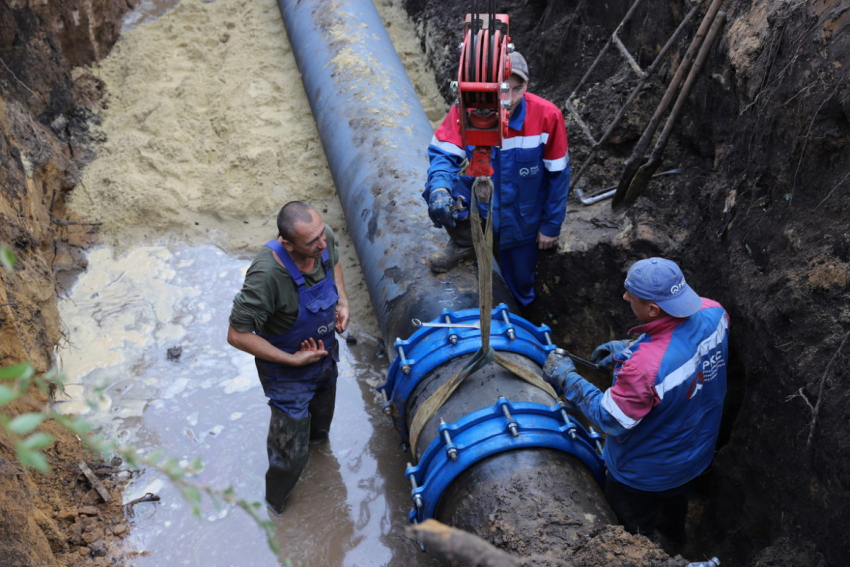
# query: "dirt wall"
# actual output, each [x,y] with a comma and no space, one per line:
[756,221]
[44,139]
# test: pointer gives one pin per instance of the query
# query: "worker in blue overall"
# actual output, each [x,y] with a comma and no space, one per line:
[531,181]
[291,303]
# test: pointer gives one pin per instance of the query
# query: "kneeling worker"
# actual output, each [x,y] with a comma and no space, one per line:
[285,315]
[662,412]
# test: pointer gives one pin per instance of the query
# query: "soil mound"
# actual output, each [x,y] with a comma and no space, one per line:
[45,109]
[756,220]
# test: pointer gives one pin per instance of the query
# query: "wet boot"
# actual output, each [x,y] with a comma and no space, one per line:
[460,248]
[321,414]
[287,446]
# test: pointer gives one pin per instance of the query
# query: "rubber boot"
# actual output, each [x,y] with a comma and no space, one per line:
[321,414]
[459,248]
[287,446]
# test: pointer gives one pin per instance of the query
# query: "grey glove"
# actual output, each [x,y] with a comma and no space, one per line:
[555,371]
[440,208]
[604,354]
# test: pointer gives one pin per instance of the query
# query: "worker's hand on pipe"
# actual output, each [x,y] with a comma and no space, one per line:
[311,351]
[556,369]
[342,315]
[440,208]
[546,242]
[604,354]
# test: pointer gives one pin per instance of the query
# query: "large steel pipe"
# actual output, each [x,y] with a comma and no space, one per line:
[375,136]
[375,133]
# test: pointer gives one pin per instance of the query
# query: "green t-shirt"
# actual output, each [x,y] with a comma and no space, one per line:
[268,301]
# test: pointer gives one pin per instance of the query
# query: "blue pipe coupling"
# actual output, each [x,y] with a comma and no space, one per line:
[450,336]
[504,426]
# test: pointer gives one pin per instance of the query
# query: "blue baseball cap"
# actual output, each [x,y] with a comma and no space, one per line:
[661,281]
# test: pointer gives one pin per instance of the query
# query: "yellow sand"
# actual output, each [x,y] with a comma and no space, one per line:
[208,131]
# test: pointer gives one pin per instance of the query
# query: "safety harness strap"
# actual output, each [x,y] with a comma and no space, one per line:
[482,240]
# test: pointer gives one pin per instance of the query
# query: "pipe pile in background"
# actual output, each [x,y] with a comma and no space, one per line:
[375,136]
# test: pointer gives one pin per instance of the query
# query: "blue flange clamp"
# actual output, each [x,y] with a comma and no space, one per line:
[504,426]
[431,347]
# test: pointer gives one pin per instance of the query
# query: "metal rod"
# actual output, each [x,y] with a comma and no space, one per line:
[571,429]
[583,361]
[608,192]
[417,498]
[417,323]
[512,424]
[595,199]
[450,451]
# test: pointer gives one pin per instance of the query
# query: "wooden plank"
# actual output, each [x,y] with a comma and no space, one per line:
[577,117]
[632,63]
[95,482]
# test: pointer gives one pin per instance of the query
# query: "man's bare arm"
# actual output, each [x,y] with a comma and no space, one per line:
[311,351]
[343,310]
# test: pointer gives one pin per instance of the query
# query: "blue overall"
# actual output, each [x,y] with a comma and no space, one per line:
[290,388]
[302,398]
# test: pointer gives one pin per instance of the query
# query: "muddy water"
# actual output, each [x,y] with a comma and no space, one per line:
[122,316]
[146,11]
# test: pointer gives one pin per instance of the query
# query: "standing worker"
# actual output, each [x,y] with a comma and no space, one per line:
[662,412]
[285,315]
[531,180]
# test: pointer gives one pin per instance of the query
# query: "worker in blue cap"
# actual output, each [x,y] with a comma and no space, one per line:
[662,412]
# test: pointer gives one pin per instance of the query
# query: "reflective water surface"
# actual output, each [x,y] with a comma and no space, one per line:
[146,11]
[122,317]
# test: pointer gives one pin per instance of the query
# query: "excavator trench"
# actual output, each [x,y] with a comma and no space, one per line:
[148,145]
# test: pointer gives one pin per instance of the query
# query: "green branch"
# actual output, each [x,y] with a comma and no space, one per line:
[15,383]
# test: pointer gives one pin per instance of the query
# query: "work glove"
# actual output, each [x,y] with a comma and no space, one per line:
[440,208]
[556,369]
[604,354]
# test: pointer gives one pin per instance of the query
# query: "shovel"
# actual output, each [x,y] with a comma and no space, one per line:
[644,174]
[636,160]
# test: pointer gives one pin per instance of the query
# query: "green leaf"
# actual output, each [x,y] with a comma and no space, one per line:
[54,376]
[80,426]
[6,395]
[37,441]
[7,259]
[129,456]
[191,493]
[171,467]
[33,460]
[25,423]
[155,456]
[196,466]
[23,371]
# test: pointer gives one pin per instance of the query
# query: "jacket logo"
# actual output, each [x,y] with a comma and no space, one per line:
[322,330]
[711,366]
[696,385]
[529,171]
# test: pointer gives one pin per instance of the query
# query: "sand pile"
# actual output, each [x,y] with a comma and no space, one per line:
[208,129]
